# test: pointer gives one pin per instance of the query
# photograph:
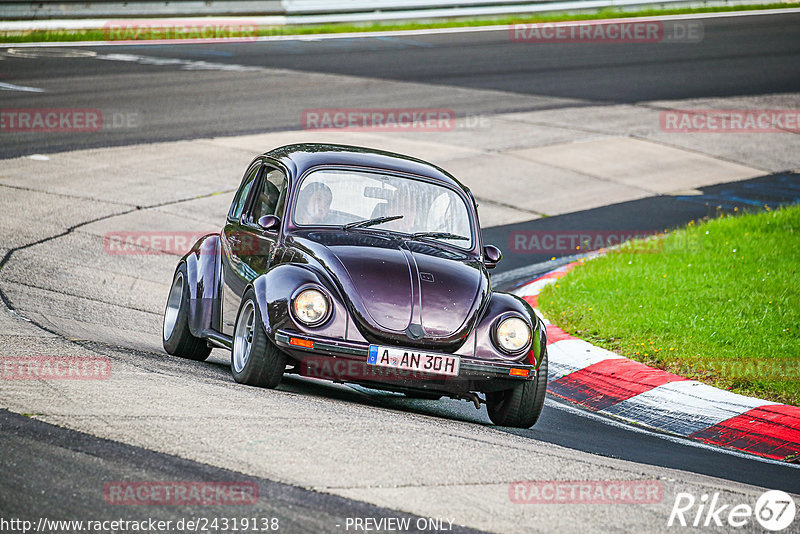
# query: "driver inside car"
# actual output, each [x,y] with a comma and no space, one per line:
[314,204]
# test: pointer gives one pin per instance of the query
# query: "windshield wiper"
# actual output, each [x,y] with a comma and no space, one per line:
[370,222]
[439,235]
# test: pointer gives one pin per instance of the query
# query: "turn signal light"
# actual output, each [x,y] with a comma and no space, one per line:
[305,343]
[519,372]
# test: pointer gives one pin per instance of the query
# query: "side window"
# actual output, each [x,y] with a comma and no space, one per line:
[241,196]
[271,195]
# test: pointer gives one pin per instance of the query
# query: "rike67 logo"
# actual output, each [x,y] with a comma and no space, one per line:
[774,511]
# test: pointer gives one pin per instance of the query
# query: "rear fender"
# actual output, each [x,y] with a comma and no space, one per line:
[202,270]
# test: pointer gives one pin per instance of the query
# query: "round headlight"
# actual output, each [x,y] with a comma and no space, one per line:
[310,306]
[513,334]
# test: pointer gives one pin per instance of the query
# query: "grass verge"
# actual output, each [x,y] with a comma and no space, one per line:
[717,301]
[99,34]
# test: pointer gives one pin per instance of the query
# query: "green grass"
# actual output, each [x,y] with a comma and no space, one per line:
[706,302]
[101,35]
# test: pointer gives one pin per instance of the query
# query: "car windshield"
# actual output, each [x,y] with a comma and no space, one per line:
[344,197]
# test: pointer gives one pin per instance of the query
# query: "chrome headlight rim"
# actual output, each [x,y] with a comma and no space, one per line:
[496,338]
[328,304]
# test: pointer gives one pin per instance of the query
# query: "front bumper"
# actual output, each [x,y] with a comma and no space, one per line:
[352,366]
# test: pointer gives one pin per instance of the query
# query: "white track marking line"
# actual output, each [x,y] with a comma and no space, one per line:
[24,88]
[183,64]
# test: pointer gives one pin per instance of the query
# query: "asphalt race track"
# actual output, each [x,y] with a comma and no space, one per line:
[320,453]
[738,56]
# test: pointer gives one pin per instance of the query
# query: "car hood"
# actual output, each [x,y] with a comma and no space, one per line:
[408,290]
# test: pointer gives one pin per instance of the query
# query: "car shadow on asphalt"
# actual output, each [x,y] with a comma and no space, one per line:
[569,426]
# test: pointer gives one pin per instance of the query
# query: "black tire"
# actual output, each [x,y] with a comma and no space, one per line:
[521,406]
[263,365]
[175,334]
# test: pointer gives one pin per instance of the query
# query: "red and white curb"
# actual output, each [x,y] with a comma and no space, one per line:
[605,382]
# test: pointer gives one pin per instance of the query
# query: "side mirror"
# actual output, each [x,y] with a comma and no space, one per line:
[491,256]
[269,223]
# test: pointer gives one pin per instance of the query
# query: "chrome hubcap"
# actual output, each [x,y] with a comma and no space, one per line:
[173,305]
[243,336]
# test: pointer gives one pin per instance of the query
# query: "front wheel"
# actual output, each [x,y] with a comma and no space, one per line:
[520,406]
[255,360]
[175,334]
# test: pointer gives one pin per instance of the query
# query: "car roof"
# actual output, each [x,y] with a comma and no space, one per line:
[300,157]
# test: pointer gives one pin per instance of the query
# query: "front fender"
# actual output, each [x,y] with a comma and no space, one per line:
[274,290]
[500,303]
[202,271]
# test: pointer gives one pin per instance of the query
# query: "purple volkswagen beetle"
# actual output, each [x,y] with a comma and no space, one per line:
[361,266]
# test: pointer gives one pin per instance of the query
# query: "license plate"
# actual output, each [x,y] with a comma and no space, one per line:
[412,360]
